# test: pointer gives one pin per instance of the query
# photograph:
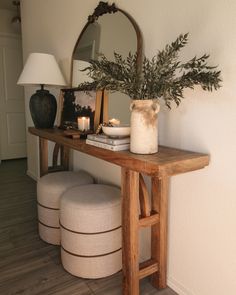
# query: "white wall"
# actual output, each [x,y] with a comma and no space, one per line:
[202,222]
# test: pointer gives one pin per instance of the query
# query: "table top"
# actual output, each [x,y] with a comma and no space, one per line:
[167,160]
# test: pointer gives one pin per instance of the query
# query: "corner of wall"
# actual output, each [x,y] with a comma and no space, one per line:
[178,287]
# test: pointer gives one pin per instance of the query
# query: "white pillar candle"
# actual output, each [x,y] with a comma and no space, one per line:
[83,123]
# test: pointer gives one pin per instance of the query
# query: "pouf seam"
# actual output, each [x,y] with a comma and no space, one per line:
[48,225]
[83,233]
[85,256]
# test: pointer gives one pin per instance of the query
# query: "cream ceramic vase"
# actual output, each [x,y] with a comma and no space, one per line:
[144,131]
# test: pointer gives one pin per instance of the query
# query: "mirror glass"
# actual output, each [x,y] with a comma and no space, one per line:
[108,34]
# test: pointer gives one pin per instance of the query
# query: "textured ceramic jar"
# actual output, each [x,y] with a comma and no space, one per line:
[144,129]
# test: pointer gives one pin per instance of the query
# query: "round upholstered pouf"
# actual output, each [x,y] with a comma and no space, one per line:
[49,191]
[90,219]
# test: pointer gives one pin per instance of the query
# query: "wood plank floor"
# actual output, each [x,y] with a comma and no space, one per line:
[28,265]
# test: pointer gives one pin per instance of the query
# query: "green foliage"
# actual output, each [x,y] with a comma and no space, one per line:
[163,76]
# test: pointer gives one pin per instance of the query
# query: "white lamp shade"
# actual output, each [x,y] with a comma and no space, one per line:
[41,68]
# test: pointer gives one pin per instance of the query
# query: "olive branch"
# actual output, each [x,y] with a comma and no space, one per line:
[161,77]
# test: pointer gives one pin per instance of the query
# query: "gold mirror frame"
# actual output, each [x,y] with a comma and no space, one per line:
[101,9]
[104,8]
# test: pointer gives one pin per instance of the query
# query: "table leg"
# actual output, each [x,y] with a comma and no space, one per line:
[65,157]
[56,150]
[43,155]
[130,219]
[159,231]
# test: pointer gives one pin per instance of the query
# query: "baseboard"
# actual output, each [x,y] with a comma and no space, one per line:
[178,287]
[32,175]
[171,282]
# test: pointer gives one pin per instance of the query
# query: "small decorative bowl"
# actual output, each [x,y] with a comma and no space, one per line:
[116,131]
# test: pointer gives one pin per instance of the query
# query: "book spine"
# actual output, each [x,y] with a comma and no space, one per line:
[96,138]
[108,140]
[121,147]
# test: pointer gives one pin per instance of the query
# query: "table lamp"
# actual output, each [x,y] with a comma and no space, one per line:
[41,69]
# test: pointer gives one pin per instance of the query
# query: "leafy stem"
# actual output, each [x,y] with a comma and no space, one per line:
[161,77]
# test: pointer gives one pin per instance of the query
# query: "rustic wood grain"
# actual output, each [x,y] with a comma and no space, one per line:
[43,153]
[130,249]
[143,198]
[149,221]
[29,266]
[98,109]
[105,113]
[169,161]
[65,153]
[55,155]
[159,230]
[148,267]
[160,167]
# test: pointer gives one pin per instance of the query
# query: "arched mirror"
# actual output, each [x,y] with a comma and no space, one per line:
[108,30]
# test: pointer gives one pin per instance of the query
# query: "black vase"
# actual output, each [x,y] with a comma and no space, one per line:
[43,108]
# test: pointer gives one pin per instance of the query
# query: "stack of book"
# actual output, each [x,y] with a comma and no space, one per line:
[105,142]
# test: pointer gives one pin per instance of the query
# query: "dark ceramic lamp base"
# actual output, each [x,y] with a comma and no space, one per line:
[43,108]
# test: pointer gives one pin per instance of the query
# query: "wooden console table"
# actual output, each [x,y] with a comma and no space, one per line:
[159,167]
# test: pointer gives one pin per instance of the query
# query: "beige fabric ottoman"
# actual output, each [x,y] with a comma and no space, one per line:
[49,190]
[90,219]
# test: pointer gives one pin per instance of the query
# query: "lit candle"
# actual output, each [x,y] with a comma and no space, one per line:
[114,122]
[83,123]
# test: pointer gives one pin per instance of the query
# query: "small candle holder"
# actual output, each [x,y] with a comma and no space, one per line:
[75,133]
[83,123]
